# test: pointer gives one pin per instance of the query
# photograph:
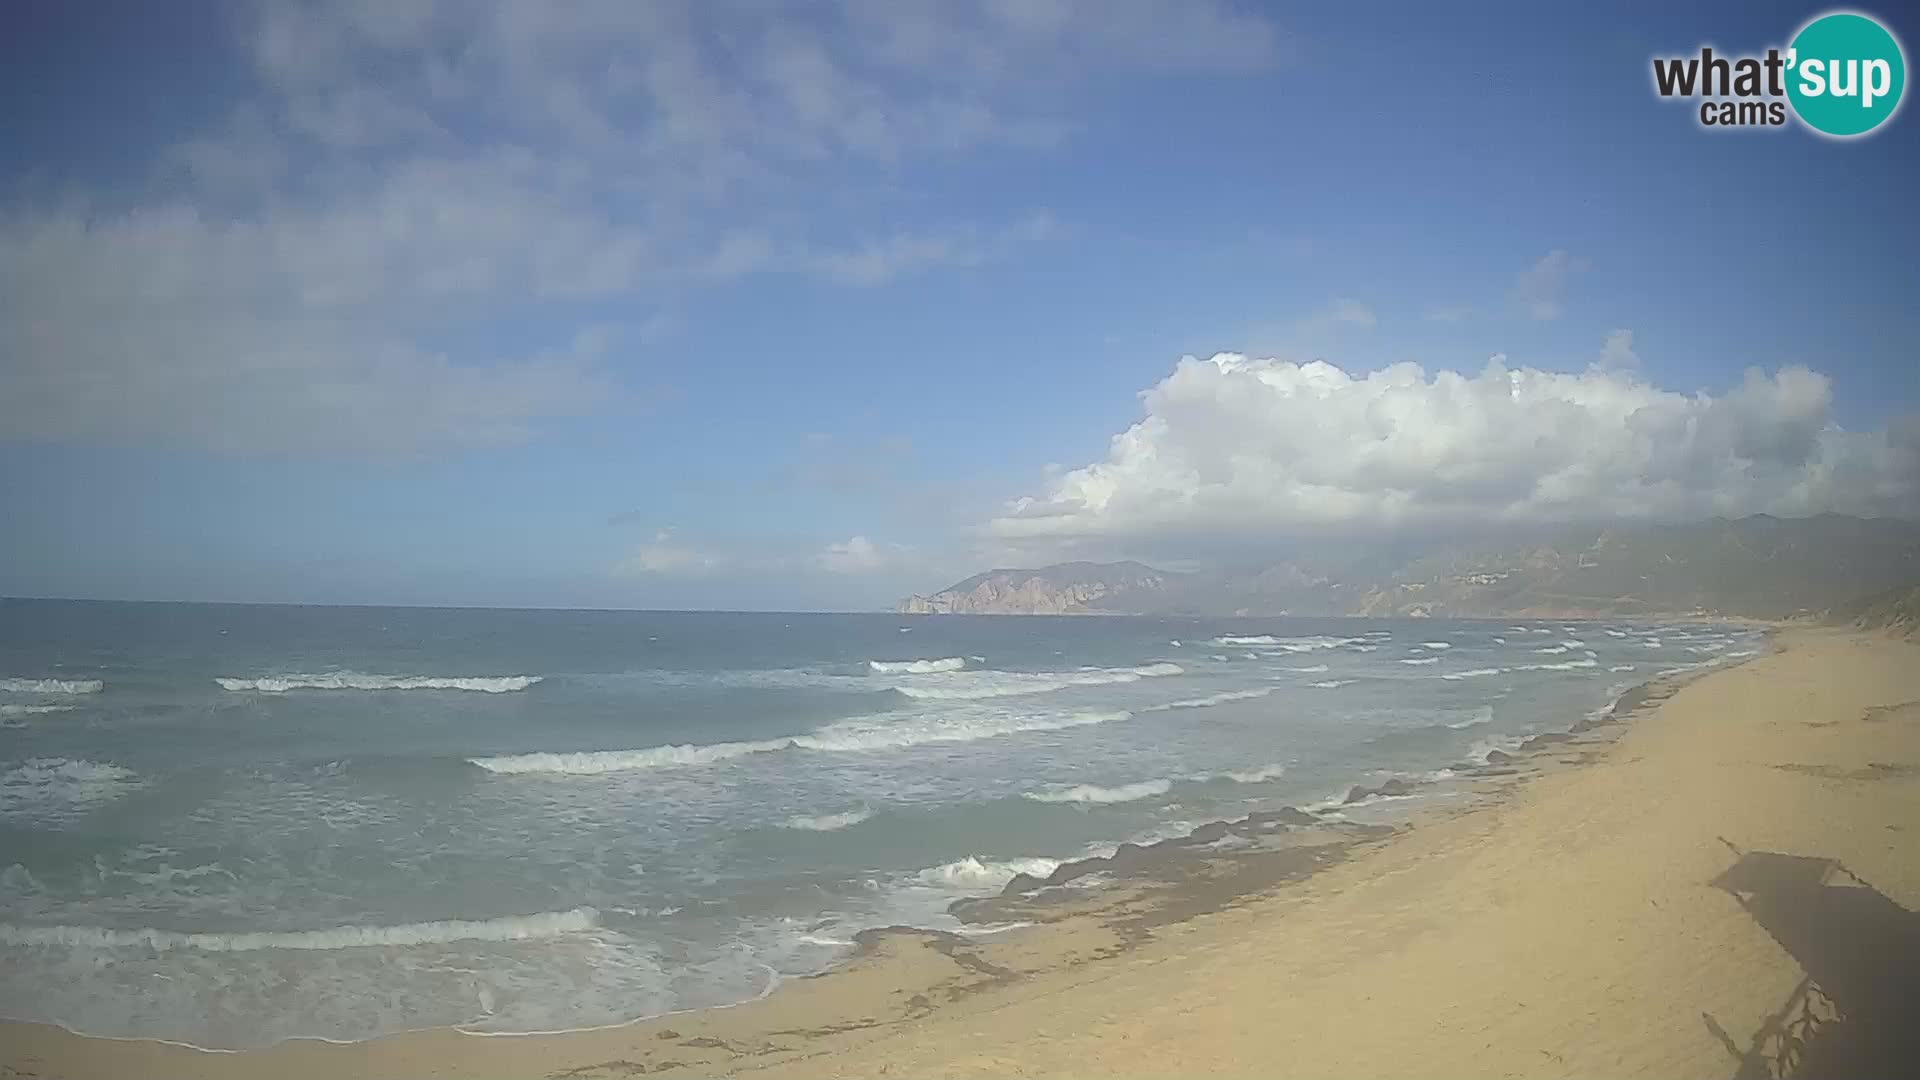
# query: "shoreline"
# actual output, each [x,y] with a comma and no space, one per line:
[1171,890]
[1300,835]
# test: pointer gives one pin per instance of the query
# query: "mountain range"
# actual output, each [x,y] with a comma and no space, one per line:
[1760,567]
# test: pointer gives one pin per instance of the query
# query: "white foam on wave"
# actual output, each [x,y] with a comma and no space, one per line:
[545,924]
[1567,665]
[1651,643]
[1210,700]
[1436,644]
[1616,633]
[981,685]
[1332,684]
[1289,644]
[51,686]
[973,872]
[1474,673]
[1313,669]
[1481,716]
[1506,744]
[34,710]
[1552,649]
[1421,660]
[1255,776]
[61,786]
[826,822]
[847,736]
[1621,667]
[917,667]
[1092,793]
[354,680]
[1574,643]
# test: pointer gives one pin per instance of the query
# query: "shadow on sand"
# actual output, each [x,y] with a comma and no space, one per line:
[1857,1011]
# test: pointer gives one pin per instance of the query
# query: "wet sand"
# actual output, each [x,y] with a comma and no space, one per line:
[1721,877]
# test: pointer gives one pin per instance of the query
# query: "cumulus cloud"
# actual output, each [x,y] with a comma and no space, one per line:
[860,555]
[664,556]
[403,174]
[1617,353]
[1233,447]
[1542,287]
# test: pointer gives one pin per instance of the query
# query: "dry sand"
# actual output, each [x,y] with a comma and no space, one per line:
[1619,907]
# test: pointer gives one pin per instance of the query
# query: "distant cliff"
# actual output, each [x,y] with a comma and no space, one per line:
[1757,567]
[1063,589]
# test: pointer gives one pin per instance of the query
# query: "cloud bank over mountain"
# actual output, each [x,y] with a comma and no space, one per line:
[1234,447]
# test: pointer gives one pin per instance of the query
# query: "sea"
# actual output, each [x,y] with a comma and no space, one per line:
[228,825]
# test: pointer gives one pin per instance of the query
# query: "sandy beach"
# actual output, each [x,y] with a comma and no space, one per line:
[1717,880]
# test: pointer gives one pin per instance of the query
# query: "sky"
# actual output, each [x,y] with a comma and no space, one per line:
[811,305]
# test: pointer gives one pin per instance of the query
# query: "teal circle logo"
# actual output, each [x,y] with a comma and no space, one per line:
[1845,74]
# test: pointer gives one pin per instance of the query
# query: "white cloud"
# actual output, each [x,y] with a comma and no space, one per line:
[1617,353]
[1541,288]
[1237,448]
[859,555]
[664,556]
[408,172]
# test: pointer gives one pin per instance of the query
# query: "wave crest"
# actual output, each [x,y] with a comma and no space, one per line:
[1092,793]
[34,710]
[354,680]
[826,822]
[843,737]
[917,667]
[51,686]
[979,686]
[974,872]
[511,928]
[1220,698]
[1474,673]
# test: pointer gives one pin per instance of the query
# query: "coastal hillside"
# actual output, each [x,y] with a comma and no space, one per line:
[1063,589]
[1895,612]
[1755,567]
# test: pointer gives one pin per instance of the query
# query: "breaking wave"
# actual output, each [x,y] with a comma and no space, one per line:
[1421,660]
[50,686]
[1474,673]
[353,680]
[1289,644]
[917,667]
[1332,684]
[978,686]
[1568,665]
[61,786]
[34,710]
[1220,698]
[843,737]
[512,928]
[1436,644]
[1090,793]
[1255,776]
[826,822]
[1484,715]
[974,872]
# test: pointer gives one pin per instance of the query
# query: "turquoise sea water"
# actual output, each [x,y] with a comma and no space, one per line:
[229,825]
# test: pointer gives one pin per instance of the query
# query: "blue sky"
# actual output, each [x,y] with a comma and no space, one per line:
[805,306]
